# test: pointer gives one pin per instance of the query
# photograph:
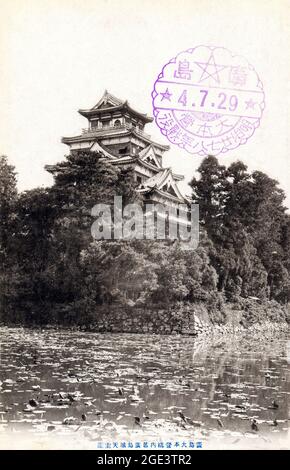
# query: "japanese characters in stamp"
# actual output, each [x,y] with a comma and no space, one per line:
[208,101]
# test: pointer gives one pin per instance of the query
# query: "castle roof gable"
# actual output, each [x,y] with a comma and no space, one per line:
[163,181]
[110,103]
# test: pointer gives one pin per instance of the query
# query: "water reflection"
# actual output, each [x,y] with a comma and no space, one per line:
[91,387]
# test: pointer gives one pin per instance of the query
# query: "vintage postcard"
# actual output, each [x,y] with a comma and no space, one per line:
[144,227]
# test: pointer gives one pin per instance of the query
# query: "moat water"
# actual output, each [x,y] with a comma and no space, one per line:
[62,389]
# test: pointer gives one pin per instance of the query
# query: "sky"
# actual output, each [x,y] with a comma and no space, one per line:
[57,56]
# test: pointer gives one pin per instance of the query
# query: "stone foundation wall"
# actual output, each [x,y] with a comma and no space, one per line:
[186,319]
[175,320]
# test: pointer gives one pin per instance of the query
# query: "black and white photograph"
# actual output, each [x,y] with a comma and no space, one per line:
[144,227]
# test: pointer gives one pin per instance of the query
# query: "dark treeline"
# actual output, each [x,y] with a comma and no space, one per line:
[52,271]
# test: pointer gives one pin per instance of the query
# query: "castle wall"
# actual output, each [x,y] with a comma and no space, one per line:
[179,319]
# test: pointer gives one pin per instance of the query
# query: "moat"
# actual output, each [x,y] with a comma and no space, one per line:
[66,389]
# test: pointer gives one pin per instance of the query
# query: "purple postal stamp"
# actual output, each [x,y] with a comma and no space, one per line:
[208,101]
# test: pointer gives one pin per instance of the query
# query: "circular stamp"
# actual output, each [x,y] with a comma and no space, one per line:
[207,100]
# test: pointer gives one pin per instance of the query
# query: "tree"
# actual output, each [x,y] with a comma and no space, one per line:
[182,275]
[116,272]
[83,180]
[52,229]
[244,217]
[8,195]
[210,191]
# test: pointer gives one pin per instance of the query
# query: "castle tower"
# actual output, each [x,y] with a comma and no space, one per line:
[117,131]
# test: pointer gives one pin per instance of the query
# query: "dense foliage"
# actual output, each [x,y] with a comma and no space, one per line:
[52,271]
[247,222]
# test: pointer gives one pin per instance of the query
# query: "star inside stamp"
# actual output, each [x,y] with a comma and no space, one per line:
[208,101]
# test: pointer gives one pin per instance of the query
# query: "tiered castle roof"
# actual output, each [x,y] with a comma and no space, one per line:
[116,131]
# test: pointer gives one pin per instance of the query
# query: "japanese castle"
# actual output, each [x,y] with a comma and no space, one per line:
[116,131]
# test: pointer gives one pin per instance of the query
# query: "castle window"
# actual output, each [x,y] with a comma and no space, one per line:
[117,123]
[139,179]
[123,151]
